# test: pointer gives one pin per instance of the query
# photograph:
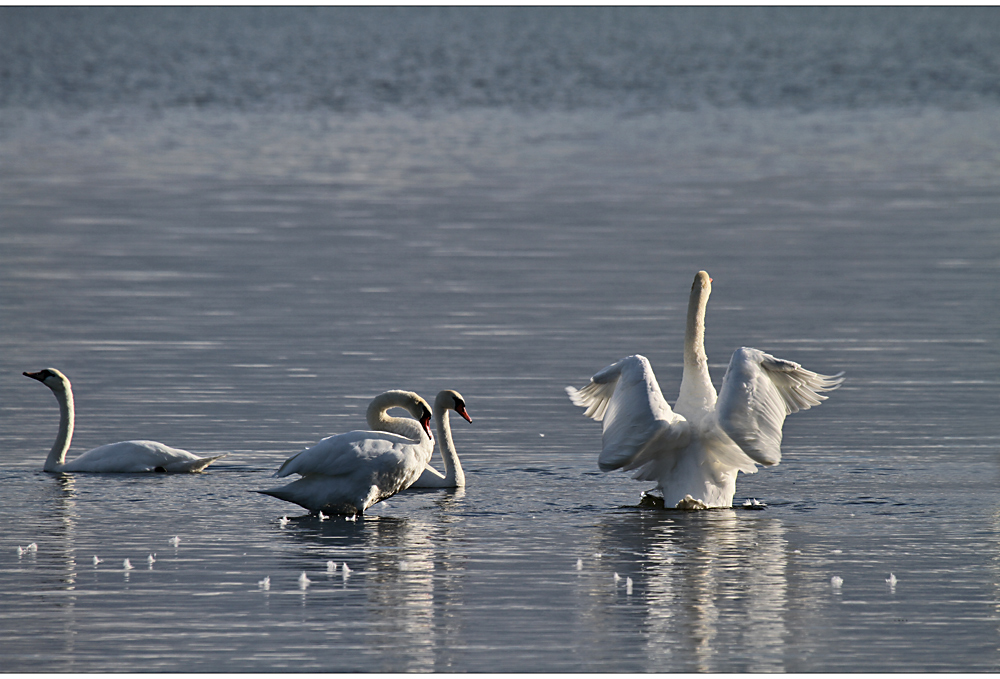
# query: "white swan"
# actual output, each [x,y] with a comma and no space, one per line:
[453,477]
[694,451]
[121,457]
[347,473]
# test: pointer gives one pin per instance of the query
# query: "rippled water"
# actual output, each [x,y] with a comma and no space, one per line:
[223,279]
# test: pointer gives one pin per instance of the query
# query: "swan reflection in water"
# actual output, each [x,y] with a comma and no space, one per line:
[55,579]
[713,586]
[409,575]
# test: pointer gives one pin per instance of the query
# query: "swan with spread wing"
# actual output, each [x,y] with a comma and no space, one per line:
[694,450]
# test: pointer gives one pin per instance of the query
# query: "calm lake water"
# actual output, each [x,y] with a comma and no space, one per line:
[232,228]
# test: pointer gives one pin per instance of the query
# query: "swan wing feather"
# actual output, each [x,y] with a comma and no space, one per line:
[137,456]
[638,422]
[758,392]
[355,451]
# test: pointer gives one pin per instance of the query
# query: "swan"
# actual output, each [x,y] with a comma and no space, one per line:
[347,473]
[121,457]
[695,450]
[453,477]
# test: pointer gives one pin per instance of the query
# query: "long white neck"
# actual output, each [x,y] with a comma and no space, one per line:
[697,392]
[57,456]
[378,420]
[453,473]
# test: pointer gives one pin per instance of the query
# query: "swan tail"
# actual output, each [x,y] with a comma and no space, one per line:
[280,493]
[287,494]
[306,496]
[193,465]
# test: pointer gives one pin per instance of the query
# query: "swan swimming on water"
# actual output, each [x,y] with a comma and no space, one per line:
[695,450]
[454,476]
[121,457]
[347,473]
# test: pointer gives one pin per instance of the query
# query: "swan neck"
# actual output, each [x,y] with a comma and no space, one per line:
[694,335]
[453,472]
[696,393]
[379,420]
[57,456]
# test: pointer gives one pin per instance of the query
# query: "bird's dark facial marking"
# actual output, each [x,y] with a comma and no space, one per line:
[460,409]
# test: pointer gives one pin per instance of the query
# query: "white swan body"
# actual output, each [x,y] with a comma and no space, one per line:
[695,449]
[347,473]
[454,476]
[121,457]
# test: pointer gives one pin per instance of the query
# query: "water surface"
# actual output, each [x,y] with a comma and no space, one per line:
[242,274]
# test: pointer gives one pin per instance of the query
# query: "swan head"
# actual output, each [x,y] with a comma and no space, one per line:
[421,412]
[51,378]
[449,399]
[702,283]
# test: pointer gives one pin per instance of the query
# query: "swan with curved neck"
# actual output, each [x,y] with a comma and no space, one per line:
[121,457]
[347,473]
[695,450]
[454,476]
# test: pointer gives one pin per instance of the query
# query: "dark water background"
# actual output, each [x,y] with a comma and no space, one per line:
[232,227]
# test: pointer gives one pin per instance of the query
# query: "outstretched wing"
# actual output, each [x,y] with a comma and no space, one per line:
[638,422]
[758,392]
